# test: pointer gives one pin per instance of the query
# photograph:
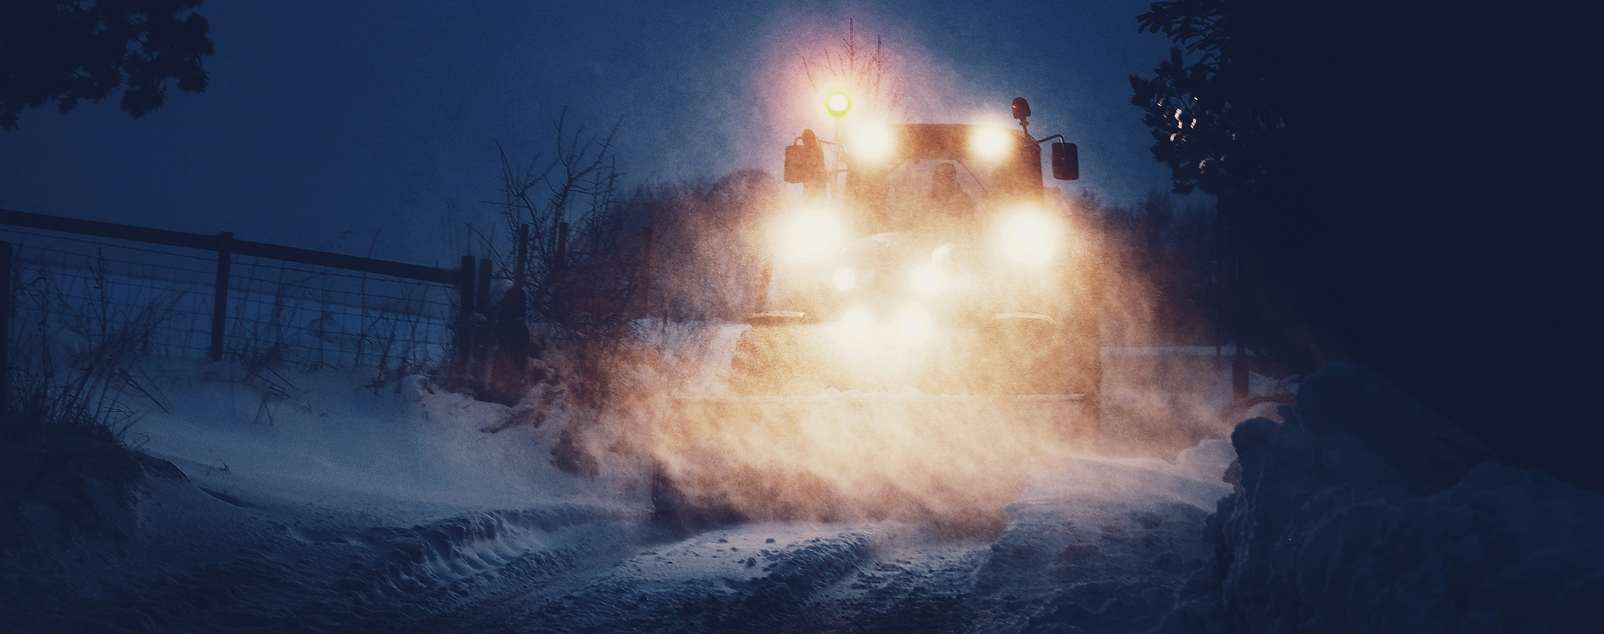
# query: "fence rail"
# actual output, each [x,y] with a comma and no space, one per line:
[243,298]
[225,242]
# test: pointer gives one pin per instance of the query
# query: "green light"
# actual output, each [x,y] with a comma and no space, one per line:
[838,103]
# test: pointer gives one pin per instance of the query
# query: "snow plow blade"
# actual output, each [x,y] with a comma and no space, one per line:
[956,460]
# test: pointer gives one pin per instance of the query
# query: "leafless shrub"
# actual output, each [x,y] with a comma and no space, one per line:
[583,272]
[87,393]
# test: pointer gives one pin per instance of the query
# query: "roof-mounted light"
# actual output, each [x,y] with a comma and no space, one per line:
[838,103]
[872,141]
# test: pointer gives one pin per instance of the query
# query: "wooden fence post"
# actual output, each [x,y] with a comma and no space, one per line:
[465,295]
[459,375]
[484,287]
[5,331]
[225,248]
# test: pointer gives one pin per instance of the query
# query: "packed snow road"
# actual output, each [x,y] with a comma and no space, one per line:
[321,503]
[1099,545]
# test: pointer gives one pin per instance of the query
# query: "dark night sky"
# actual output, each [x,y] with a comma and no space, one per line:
[1439,181]
[328,122]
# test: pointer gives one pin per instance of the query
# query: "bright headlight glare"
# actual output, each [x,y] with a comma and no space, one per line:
[926,280]
[857,323]
[845,278]
[914,324]
[1028,237]
[811,236]
[838,103]
[990,142]
[873,142]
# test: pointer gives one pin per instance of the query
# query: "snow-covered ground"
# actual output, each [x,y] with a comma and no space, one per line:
[324,502]
[321,502]
[1362,511]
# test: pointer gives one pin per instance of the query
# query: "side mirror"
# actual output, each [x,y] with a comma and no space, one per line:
[804,162]
[1066,161]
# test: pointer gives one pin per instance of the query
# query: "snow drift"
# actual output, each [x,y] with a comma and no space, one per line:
[323,501]
[1363,511]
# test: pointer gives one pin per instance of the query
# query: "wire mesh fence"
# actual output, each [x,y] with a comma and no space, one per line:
[317,316]
[74,295]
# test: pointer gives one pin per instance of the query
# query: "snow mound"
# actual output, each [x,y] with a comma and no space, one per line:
[1353,515]
[318,501]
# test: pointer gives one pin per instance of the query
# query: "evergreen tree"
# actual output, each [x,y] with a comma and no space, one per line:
[70,51]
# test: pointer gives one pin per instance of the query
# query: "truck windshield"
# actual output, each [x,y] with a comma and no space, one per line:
[922,195]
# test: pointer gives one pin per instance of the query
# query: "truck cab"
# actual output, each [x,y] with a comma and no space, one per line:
[933,244]
[928,307]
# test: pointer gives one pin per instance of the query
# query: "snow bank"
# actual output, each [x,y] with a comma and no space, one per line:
[319,498]
[1365,512]
[336,437]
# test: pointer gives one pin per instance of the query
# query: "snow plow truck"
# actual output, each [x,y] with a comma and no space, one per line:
[930,331]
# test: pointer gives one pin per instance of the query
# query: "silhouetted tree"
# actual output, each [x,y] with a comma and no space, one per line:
[1219,109]
[1215,105]
[582,282]
[1387,161]
[70,51]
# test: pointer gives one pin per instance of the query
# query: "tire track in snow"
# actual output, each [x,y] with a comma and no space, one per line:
[307,578]
[735,579]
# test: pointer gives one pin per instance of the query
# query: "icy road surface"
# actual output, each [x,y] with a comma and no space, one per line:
[337,507]
[1099,545]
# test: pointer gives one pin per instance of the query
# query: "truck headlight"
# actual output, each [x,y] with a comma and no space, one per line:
[914,324]
[856,325]
[845,279]
[1027,236]
[872,141]
[990,142]
[811,236]
[926,280]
